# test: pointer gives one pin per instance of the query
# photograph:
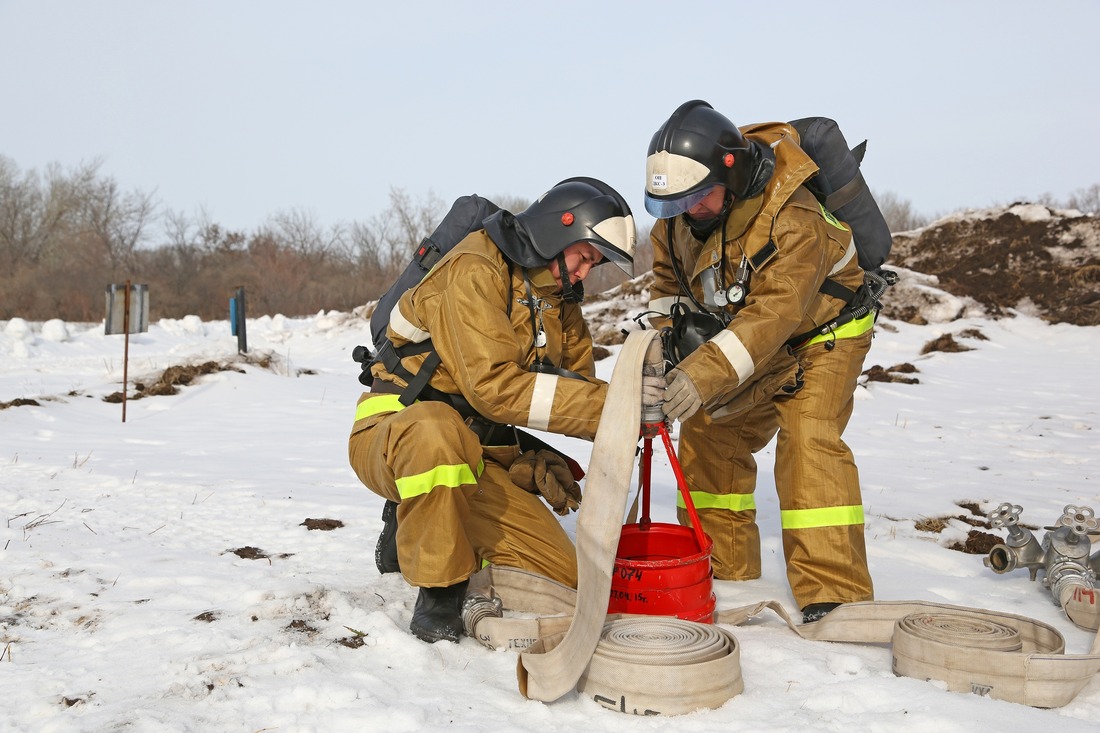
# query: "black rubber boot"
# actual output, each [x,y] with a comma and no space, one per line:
[816,611]
[385,552]
[438,613]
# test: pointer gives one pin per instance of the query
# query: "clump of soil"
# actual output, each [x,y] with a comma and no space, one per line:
[250,553]
[352,642]
[301,627]
[255,553]
[977,543]
[325,525]
[945,343]
[170,380]
[895,373]
[19,402]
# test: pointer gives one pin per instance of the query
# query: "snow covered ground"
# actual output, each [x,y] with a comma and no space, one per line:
[124,606]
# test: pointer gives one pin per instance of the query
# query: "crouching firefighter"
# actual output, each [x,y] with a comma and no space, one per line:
[770,324]
[490,341]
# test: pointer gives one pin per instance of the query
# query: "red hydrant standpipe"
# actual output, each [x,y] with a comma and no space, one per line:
[645,474]
[662,569]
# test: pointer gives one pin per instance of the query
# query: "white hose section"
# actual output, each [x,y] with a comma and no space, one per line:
[651,664]
[551,668]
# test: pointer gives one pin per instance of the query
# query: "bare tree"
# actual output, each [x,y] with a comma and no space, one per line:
[37,213]
[899,213]
[1086,200]
[384,245]
[112,224]
[508,202]
[299,231]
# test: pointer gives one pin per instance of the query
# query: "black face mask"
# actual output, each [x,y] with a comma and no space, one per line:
[701,229]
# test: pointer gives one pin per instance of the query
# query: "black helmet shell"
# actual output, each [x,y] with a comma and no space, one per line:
[581,210]
[694,150]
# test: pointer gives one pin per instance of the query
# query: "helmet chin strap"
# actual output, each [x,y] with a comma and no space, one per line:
[570,292]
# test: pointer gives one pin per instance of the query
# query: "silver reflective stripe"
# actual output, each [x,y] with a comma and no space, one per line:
[845,259]
[405,329]
[542,401]
[664,305]
[736,354]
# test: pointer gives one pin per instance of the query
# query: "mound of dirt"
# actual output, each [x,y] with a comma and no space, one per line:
[1025,257]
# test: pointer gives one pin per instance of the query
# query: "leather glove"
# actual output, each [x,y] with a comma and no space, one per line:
[546,473]
[681,397]
[653,390]
[653,374]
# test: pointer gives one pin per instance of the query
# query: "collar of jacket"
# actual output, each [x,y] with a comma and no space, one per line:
[741,215]
[543,283]
[793,167]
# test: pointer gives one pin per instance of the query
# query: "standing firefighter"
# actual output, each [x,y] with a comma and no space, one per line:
[764,291]
[497,325]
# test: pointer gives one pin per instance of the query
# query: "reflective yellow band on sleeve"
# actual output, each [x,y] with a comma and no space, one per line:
[830,218]
[446,476]
[851,329]
[830,516]
[729,502]
[381,403]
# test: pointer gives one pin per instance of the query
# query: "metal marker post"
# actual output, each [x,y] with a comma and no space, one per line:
[133,316]
[126,347]
[240,330]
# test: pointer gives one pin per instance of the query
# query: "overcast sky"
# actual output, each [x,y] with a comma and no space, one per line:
[246,109]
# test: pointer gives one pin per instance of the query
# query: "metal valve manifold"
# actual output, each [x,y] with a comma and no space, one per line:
[1069,571]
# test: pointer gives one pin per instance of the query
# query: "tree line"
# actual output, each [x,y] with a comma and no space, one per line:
[65,235]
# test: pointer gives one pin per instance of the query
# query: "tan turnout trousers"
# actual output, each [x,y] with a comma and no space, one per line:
[815,476]
[457,508]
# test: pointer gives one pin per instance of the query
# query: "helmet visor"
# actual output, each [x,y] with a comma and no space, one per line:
[665,208]
[617,241]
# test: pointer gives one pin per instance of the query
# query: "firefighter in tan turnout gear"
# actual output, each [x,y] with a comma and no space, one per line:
[500,316]
[756,277]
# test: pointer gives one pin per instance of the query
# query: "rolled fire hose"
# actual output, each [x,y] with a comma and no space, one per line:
[650,664]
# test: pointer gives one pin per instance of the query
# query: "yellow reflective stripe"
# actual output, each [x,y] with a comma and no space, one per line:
[448,476]
[375,405]
[829,516]
[729,502]
[851,329]
[830,218]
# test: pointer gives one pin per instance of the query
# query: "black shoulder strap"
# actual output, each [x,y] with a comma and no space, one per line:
[391,357]
[838,291]
[416,386]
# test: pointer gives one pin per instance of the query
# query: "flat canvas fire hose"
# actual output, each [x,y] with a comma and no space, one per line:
[652,664]
[551,667]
